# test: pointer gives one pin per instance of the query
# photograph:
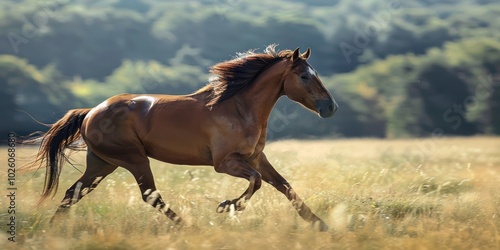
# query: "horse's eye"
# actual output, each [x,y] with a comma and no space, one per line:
[304,77]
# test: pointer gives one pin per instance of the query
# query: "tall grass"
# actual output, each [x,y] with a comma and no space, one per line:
[374,194]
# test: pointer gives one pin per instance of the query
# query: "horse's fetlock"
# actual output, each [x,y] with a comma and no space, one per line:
[241,203]
[152,198]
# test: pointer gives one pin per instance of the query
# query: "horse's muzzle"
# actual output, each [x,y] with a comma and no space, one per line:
[326,108]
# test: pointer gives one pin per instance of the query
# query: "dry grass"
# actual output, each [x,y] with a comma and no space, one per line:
[375,194]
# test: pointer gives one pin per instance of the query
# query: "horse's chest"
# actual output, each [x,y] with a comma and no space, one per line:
[252,143]
[241,136]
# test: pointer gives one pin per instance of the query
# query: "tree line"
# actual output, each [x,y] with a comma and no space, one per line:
[397,69]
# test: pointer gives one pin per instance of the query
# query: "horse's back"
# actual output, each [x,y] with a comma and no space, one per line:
[169,128]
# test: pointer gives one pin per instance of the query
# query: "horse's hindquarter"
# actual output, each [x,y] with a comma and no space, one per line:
[108,129]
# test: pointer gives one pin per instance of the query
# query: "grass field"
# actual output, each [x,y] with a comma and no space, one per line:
[374,194]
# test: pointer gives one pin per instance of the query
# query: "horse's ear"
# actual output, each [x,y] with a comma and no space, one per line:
[306,54]
[295,55]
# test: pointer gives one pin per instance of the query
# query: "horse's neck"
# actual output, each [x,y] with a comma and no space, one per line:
[260,97]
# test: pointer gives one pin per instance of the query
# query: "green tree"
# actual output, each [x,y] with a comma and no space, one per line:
[28,94]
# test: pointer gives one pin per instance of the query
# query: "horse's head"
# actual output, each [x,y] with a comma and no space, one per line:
[302,84]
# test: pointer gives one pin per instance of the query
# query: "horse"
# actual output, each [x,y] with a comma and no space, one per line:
[223,125]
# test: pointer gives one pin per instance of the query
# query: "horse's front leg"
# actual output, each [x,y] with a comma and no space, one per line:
[234,165]
[271,176]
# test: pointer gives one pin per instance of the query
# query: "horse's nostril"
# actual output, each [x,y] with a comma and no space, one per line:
[330,107]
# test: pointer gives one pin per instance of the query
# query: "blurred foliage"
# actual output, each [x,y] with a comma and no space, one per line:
[398,69]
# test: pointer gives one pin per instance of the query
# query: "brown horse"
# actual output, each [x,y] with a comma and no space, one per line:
[222,125]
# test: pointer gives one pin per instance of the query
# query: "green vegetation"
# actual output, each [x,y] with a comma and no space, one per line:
[374,194]
[398,69]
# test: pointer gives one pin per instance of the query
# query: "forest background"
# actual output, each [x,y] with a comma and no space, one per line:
[397,68]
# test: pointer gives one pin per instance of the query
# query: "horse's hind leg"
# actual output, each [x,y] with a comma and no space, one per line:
[96,170]
[144,177]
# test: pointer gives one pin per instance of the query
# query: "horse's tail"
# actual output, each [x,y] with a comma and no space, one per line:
[53,144]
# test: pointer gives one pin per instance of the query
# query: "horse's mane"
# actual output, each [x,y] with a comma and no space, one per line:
[231,77]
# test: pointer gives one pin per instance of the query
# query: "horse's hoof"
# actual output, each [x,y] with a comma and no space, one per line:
[223,206]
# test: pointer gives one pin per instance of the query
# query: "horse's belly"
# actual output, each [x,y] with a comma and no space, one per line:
[181,154]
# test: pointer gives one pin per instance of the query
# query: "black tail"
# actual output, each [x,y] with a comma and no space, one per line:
[53,144]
